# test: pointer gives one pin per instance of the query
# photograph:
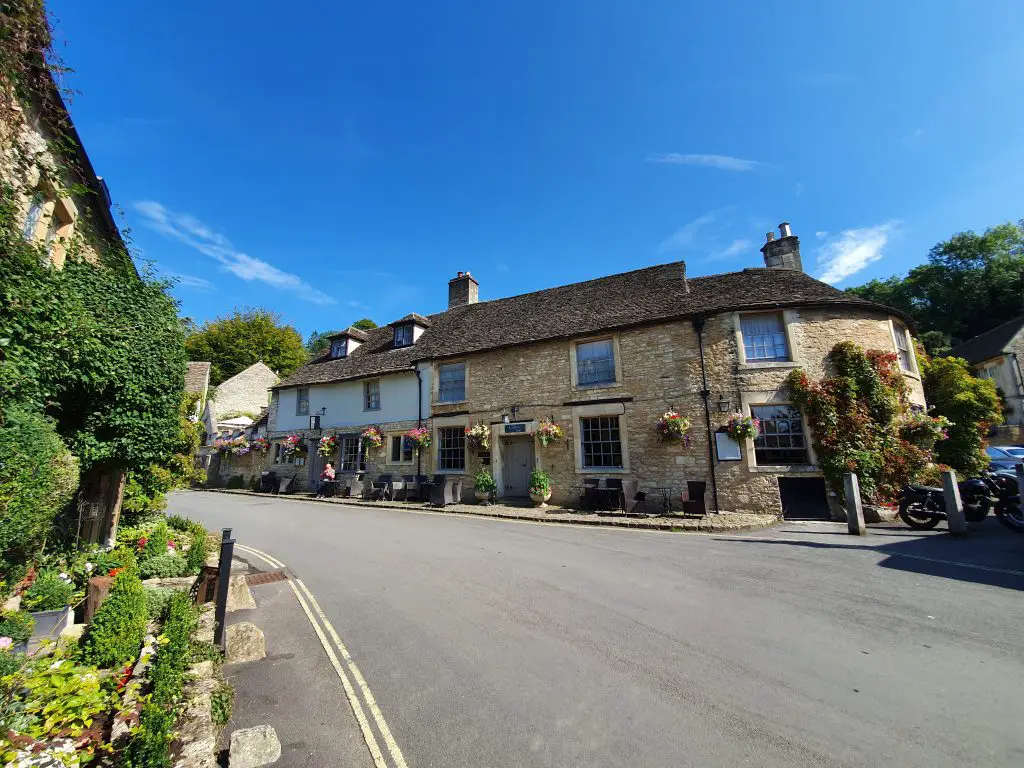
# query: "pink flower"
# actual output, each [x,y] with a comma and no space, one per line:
[5,643]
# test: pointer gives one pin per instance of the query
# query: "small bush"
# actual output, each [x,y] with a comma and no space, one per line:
[169,566]
[119,626]
[157,599]
[172,659]
[149,746]
[16,625]
[197,551]
[10,663]
[129,535]
[236,481]
[49,592]
[156,542]
[220,703]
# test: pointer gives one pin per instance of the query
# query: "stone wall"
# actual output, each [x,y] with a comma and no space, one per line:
[245,392]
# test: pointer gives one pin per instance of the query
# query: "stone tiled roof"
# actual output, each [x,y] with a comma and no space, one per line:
[412,317]
[197,377]
[356,333]
[651,295]
[990,343]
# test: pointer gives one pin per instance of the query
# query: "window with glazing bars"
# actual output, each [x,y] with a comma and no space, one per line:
[351,461]
[451,382]
[401,449]
[403,336]
[782,435]
[903,348]
[595,362]
[371,395]
[764,337]
[451,448]
[600,442]
[302,402]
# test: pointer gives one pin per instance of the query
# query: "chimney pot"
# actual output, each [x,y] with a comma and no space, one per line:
[463,289]
[769,236]
[784,229]
[782,252]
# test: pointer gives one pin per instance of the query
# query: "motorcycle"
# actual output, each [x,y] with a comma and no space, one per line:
[1008,509]
[923,507]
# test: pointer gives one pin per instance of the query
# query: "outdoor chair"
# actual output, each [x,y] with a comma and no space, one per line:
[444,493]
[268,482]
[285,484]
[588,495]
[695,492]
[355,486]
[423,485]
[381,490]
[410,487]
[632,497]
[396,489]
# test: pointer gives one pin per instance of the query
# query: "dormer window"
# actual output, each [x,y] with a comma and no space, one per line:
[403,335]
[339,348]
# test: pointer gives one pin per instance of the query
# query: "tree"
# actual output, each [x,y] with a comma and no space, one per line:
[366,324]
[970,284]
[318,342]
[233,343]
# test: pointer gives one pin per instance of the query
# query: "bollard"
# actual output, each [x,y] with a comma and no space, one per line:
[854,509]
[227,549]
[1020,479]
[954,507]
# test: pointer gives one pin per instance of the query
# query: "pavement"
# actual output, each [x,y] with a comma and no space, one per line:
[511,643]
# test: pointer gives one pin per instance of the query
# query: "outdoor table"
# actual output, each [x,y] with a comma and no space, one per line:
[666,496]
[328,488]
[602,498]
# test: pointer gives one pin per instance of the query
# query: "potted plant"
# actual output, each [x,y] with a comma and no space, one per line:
[16,626]
[484,486]
[260,444]
[372,438]
[478,436]
[293,445]
[673,426]
[47,600]
[420,437]
[540,487]
[740,427]
[328,446]
[548,431]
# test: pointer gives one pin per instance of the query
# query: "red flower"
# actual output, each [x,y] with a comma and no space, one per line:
[115,571]
[142,542]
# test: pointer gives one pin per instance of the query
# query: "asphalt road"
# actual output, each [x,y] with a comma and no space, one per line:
[491,643]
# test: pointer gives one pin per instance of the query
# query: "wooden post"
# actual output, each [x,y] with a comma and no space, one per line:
[96,592]
[227,549]
[954,507]
[854,509]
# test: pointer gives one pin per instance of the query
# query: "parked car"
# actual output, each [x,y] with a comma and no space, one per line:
[1004,457]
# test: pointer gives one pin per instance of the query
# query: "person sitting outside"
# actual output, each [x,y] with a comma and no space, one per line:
[326,487]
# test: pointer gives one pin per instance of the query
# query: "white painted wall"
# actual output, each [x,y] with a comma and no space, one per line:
[1003,371]
[344,403]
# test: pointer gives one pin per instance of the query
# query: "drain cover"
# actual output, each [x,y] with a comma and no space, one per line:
[265,578]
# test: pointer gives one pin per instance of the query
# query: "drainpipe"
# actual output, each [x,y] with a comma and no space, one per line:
[705,393]
[419,413]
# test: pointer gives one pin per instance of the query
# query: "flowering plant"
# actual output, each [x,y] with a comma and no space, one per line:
[923,430]
[292,445]
[420,437]
[260,444]
[741,427]
[540,483]
[478,436]
[548,431]
[328,446]
[373,438]
[673,426]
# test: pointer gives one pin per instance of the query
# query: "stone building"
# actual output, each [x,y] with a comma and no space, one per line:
[231,408]
[603,360]
[996,355]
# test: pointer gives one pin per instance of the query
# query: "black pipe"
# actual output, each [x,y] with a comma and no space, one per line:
[419,414]
[698,326]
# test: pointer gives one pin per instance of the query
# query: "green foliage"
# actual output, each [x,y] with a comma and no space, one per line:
[201,650]
[236,481]
[971,404]
[540,483]
[220,703]
[49,592]
[484,482]
[198,549]
[16,625]
[119,626]
[157,541]
[38,477]
[970,284]
[157,599]
[247,336]
[366,324]
[169,566]
[319,343]
[862,422]
[10,663]
[149,745]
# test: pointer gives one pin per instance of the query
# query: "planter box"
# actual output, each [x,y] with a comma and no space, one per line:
[49,625]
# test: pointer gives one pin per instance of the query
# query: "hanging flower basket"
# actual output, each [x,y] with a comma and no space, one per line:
[236,446]
[259,444]
[328,446]
[740,427]
[478,436]
[420,437]
[923,430]
[548,431]
[293,446]
[372,438]
[674,427]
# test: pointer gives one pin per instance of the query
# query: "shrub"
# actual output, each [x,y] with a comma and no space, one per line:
[16,625]
[49,592]
[484,482]
[10,663]
[220,703]
[540,483]
[150,743]
[197,551]
[236,481]
[119,626]
[156,542]
[157,599]
[169,566]
[38,477]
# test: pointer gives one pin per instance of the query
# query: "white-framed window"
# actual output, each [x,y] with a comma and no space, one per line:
[782,439]
[595,362]
[371,395]
[338,348]
[302,401]
[903,347]
[403,335]
[987,372]
[53,231]
[34,216]
[351,459]
[401,450]
[451,382]
[764,337]
[600,442]
[451,448]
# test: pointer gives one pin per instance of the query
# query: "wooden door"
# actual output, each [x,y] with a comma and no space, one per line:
[517,464]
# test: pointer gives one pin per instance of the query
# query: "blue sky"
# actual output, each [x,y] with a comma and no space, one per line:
[336,161]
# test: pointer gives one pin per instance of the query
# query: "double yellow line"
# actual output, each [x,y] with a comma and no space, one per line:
[320,622]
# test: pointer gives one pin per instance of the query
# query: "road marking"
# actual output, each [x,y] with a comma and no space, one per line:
[392,745]
[371,702]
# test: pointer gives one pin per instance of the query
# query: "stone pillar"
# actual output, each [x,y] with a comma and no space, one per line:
[854,510]
[954,507]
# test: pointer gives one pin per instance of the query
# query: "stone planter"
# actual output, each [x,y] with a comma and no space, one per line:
[540,499]
[483,497]
[49,625]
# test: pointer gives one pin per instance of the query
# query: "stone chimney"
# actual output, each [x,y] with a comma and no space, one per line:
[463,289]
[782,252]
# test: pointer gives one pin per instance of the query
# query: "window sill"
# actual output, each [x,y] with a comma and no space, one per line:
[371,410]
[592,387]
[463,401]
[450,471]
[911,375]
[602,471]
[786,469]
[767,365]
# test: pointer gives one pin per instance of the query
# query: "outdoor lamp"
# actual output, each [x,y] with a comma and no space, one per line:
[314,419]
[723,404]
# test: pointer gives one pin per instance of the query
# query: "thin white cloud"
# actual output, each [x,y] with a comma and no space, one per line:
[195,234]
[684,236]
[821,234]
[735,248]
[798,189]
[853,250]
[190,281]
[721,162]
